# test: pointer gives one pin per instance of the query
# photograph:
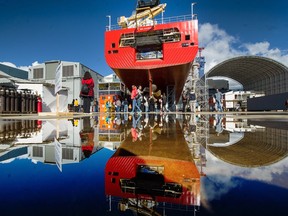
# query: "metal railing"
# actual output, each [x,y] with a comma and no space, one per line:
[160,20]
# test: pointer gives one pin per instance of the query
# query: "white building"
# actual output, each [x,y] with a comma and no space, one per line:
[237,100]
[72,73]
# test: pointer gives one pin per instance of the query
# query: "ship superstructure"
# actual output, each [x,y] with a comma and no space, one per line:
[150,52]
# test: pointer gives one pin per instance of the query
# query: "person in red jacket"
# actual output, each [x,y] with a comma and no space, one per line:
[87,97]
[134,94]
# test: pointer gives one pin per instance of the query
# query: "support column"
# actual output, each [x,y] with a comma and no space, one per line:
[150,82]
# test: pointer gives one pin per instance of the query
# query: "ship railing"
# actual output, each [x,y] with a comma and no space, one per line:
[160,20]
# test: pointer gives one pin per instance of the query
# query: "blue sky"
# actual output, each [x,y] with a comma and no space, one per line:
[36,31]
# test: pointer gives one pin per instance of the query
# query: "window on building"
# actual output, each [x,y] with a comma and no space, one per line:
[38,73]
[67,154]
[37,151]
[115,86]
[68,71]
[103,86]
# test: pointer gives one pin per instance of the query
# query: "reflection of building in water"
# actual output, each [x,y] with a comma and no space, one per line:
[227,130]
[12,136]
[155,172]
[71,140]
[38,138]
[111,132]
[239,125]
[261,147]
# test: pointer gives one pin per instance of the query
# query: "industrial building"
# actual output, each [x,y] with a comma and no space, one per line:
[40,81]
[72,73]
[257,74]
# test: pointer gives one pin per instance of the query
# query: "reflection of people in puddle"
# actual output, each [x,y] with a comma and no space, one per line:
[134,131]
[87,138]
[219,125]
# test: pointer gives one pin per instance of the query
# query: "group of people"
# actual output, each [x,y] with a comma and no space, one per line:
[189,101]
[216,102]
[142,102]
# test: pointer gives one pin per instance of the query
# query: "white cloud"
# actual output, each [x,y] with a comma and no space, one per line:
[220,46]
[263,49]
[35,63]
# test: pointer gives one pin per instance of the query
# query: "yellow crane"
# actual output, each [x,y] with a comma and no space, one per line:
[146,15]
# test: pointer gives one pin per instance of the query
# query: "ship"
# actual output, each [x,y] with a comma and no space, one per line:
[155,170]
[154,53]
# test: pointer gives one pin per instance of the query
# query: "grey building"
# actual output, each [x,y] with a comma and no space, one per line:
[72,73]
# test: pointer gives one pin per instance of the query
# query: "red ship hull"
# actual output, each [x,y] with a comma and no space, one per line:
[170,69]
[160,168]
[184,173]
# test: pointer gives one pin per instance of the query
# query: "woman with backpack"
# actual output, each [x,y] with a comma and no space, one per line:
[87,91]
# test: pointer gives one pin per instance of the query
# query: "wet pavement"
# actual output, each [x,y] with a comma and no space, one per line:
[149,164]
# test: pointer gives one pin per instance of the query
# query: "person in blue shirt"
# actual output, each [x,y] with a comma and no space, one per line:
[219,98]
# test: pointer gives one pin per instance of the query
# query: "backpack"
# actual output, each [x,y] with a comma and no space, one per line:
[192,96]
[85,89]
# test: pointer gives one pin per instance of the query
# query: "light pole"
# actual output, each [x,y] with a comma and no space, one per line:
[192,14]
[109,20]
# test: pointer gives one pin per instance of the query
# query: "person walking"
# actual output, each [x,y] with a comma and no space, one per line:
[125,105]
[87,96]
[164,103]
[192,101]
[140,97]
[146,103]
[134,94]
[118,104]
[218,97]
[151,101]
[184,101]
[95,104]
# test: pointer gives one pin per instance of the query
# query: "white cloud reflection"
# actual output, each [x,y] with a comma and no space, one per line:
[222,177]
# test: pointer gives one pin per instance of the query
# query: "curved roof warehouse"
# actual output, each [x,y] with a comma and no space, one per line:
[258,74]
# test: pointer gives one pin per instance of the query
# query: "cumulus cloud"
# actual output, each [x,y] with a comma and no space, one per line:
[220,46]
[263,49]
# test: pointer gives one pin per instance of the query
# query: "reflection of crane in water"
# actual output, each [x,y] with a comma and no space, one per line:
[139,206]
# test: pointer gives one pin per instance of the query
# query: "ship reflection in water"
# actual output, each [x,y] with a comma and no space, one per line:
[145,165]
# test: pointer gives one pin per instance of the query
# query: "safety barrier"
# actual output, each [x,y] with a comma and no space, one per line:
[10,130]
[13,101]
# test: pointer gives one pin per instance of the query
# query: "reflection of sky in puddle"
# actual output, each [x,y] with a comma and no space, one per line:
[228,151]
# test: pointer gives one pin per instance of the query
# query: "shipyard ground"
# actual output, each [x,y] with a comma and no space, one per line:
[71,115]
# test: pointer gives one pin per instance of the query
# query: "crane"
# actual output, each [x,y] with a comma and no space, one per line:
[145,13]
